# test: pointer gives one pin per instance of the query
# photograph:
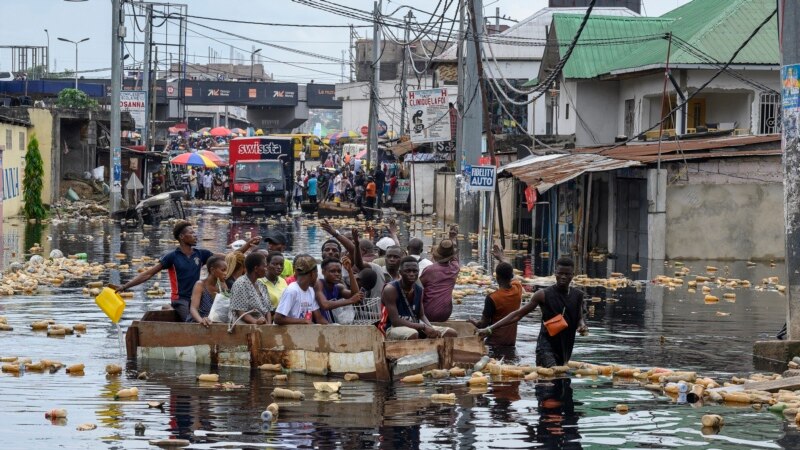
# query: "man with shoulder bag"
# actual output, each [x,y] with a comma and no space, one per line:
[562,317]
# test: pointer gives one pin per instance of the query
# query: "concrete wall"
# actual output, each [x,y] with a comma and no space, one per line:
[726,209]
[42,121]
[569,91]
[595,102]
[14,139]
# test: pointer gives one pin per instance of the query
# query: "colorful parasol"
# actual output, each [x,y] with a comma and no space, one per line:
[193,159]
[220,132]
[212,156]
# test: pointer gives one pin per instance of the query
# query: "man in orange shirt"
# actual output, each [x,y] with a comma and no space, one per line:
[371,195]
[502,302]
[347,159]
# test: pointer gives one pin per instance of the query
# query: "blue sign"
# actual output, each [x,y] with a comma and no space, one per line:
[482,178]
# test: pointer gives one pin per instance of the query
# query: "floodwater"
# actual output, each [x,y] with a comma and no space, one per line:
[654,327]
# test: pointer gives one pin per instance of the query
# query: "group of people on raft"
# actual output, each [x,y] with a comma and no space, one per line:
[264,287]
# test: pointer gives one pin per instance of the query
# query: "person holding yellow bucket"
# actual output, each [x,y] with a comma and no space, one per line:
[183,265]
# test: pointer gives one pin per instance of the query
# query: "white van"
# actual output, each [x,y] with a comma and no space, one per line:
[353,149]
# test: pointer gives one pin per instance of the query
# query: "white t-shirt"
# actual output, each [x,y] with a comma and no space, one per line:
[302,155]
[296,303]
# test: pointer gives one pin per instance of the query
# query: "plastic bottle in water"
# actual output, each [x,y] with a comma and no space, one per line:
[481,363]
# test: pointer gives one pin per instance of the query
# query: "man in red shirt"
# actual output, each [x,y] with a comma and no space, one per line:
[439,279]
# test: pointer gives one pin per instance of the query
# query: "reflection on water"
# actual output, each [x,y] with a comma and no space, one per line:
[576,413]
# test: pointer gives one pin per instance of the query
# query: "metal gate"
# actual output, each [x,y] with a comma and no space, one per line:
[630,234]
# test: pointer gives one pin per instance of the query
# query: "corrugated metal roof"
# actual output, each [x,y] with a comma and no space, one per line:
[715,27]
[763,145]
[544,172]
[604,41]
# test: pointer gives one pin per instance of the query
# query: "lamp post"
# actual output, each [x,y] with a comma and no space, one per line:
[252,62]
[47,64]
[76,55]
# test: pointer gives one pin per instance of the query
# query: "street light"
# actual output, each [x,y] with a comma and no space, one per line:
[76,55]
[252,62]
[47,65]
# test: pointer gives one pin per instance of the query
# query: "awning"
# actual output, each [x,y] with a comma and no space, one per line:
[544,172]
[402,148]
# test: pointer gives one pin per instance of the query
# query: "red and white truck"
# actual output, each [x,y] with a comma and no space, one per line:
[261,174]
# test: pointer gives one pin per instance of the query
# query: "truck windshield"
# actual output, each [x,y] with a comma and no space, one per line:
[259,172]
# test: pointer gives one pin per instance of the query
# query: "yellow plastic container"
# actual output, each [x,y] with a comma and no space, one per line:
[111,304]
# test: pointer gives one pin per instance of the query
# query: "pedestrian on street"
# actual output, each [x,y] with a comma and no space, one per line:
[303,158]
[380,180]
[370,195]
[298,192]
[559,301]
[208,184]
[192,183]
[312,188]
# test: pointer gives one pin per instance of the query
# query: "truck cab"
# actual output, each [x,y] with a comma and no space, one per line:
[261,175]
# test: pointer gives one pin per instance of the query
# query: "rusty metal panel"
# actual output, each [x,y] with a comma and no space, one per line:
[238,356]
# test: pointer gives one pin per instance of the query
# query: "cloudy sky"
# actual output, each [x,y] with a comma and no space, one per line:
[75,21]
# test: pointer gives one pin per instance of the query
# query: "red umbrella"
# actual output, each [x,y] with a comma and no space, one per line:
[213,157]
[220,132]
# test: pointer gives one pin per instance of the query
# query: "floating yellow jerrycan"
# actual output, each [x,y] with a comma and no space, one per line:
[111,303]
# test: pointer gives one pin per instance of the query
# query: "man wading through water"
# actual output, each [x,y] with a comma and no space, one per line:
[559,298]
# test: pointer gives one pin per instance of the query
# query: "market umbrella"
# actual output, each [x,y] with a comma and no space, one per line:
[213,157]
[204,129]
[193,159]
[220,132]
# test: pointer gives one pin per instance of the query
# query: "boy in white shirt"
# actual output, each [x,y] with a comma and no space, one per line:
[298,305]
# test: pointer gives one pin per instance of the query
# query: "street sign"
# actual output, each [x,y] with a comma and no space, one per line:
[429,115]
[482,178]
[134,102]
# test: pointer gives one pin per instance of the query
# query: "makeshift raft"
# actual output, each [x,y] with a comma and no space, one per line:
[313,349]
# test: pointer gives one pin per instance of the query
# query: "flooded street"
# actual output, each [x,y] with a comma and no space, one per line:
[648,327]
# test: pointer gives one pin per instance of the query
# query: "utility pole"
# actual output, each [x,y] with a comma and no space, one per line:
[115,152]
[487,124]
[468,149]
[404,75]
[788,16]
[146,76]
[372,143]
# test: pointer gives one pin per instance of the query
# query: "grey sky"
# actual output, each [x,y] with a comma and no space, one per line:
[91,19]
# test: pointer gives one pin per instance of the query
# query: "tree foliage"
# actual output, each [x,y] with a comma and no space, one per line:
[33,182]
[75,99]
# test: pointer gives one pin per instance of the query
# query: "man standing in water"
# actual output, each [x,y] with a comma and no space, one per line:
[557,299]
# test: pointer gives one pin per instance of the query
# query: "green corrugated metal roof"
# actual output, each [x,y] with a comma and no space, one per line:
[531,83]
[604,41]
[716,27]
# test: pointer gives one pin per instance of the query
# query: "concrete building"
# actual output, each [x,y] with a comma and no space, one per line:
[14,132]
[707,190]
[510,57]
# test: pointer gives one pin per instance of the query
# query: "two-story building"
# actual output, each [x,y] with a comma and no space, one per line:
[697,186]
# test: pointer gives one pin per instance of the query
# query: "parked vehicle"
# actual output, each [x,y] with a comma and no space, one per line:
[300,140]
[261,174]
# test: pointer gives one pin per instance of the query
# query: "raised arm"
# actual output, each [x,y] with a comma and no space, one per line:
[253,242]
[498,254]
[391,228]
[342,239]
[142,277]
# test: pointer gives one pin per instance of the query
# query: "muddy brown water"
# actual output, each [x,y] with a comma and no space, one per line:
[560,414]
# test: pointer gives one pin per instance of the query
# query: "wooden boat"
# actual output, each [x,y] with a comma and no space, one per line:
[331,209]
[313,349]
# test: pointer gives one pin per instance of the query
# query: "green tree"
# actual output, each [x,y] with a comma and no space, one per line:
[33,182]
[75,99]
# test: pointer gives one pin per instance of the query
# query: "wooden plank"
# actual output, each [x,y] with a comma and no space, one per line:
[462,327]
[132,341]
[397,349]
[446,354]
[166,334]
[790,383]
[382,372]
[161,315]
[254,346]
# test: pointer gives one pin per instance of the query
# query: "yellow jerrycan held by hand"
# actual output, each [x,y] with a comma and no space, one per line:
[111,303]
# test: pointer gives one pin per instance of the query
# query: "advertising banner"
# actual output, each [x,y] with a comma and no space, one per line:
[429,115]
